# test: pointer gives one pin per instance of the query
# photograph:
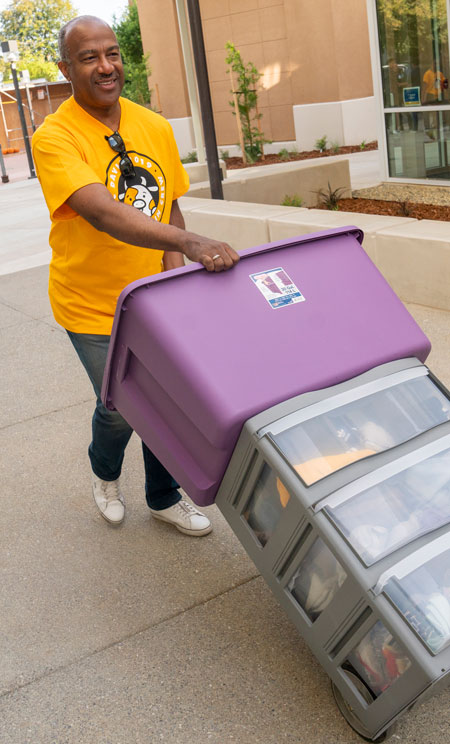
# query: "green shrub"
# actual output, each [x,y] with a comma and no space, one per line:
[284,154]
[247,102]
[321,144]
[224,154]
[292,201]
[330,197]
[191,157]
[335,147]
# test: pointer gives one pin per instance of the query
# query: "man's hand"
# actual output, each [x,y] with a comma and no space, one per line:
[213,254]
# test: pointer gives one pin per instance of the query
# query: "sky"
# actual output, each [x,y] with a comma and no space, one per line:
[104,9]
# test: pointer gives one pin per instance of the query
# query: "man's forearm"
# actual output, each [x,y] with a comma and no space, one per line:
[122,221]
[125,223]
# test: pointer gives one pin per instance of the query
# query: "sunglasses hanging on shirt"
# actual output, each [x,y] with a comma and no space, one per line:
[117,144]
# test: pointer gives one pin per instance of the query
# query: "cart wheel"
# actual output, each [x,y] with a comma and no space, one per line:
[349,714]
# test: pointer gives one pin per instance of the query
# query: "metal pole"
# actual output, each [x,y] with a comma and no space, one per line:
[190,79]
[159,109]
[31,112]
[22,120]
[5,177]
[49,100]
[378,88]
[30,107]
[198,45]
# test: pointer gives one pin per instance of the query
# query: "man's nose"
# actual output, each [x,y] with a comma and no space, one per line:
[104,65]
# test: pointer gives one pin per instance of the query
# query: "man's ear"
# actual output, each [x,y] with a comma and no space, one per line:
[64,67]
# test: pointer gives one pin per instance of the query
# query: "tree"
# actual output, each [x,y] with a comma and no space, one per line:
[37,66]
[247,102]
[136,69]
[394,11]
[35,25]
[411,26]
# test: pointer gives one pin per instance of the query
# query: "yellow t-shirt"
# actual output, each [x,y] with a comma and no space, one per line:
[89,268]
[433,82]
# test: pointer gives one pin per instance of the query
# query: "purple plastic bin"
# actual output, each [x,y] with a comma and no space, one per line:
[193,355]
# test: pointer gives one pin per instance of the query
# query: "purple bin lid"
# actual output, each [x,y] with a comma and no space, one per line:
[222,347]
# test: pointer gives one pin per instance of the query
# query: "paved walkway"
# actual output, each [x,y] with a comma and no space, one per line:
[16,166]
[136,634]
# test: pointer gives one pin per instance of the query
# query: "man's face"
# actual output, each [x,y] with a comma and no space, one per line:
[95,66]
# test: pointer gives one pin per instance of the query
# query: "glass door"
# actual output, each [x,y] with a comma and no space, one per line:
[414,58]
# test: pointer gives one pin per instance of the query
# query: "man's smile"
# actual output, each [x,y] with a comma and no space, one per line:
[109,83]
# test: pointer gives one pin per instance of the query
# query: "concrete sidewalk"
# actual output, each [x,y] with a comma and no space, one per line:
[17,166]
[135,634]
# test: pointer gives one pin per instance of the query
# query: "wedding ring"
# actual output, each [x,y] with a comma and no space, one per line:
[216,256]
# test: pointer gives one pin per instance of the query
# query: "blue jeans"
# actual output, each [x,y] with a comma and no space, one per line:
[111,433]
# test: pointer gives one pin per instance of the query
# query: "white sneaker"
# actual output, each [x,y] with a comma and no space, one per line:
[109,499]
[185,518]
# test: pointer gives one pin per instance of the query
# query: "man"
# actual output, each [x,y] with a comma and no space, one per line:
[433,84]
[111,175]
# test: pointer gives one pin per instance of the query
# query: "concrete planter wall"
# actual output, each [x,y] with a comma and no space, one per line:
[270,184]
[198,172]
[346,122]
[413,255]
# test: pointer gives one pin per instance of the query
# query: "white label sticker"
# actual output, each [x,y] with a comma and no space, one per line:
[277,287]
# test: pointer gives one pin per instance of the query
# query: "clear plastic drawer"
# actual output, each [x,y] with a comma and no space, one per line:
[409,503]
[265,506]
[422,595]
[317,580]
[349,427]
[378,659]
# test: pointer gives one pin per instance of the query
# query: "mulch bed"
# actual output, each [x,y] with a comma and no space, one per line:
[364,205]
[395,208]
[271,159]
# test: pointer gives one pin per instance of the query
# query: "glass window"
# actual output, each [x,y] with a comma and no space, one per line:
[413,40]
[418,144]
[317,580]
[423,597]
[411,503]
[328,442]
[266,505]
[378,659]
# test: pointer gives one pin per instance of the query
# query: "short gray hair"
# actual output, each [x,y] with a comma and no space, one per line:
[62,44]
